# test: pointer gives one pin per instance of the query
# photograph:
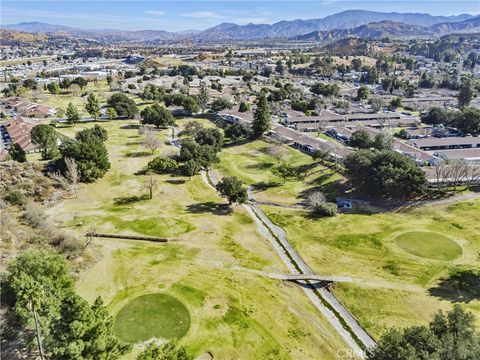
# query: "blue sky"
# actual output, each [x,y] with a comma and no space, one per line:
[182,15]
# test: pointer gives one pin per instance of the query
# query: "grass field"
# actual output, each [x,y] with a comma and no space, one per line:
[101,90]
[429,245]
[216,260]
[252,164]
[215,263]
[390,287]
[150,316]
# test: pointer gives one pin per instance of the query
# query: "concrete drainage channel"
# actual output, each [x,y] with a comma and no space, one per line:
[339,317]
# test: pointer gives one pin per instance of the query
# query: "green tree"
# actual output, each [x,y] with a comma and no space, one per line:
[284,170]
[80,81]
[450,336]
[467,121]
[111,113]
[190,168]
[370,75]
[17,153]
[383,141]
[396,102]
[72,114]
[46,137]
[357,64]
[202,98]
[209,136]
[436,116]
[97,131]
[204,155]
[89,152]
[466,92]
[360,139]
[384,173]
[123,105]
[168,351]
[220,104]
[232,189]
[190,104]
[53,88]
[38,281]
[237,131]
[261,118]
[243,107]
[93,106]
[162,165]
[157,115]
[82,332]
[363,93]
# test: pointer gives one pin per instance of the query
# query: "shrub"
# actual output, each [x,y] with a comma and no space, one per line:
[15,198]
[34,214]
[162,165]
[319,206]
[326,209]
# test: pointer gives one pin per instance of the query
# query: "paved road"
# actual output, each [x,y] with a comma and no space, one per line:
[335,312]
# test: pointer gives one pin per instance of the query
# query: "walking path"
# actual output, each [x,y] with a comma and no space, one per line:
[322,298]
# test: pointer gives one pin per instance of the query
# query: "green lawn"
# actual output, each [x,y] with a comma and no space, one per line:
[149,316]
[213,263]
[101,90]
[390,287]
[252,163]
[429,245]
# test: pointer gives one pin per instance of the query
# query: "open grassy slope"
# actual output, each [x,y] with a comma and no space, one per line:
[214,265]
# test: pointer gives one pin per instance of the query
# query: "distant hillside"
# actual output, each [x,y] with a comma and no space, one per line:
[15,38]
[393,29]
[109,35]
[342,21]
[347,23]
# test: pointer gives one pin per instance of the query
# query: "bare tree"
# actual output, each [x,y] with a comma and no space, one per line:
[72,174]
[460,172]
[277,151]
[474,176]
[150,140]
[75,89]
[150,184]
[321,126]
[377,104]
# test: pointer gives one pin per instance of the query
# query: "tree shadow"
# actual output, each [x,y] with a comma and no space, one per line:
[262,186]
[134,143]
[135,154]
[129,126]
[126,200]
[210,207]
[306,167]
[259,166]
[461,286]
[240,142]
[175,182]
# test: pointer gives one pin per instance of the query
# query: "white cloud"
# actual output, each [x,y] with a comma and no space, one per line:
[155,12]
[203,14]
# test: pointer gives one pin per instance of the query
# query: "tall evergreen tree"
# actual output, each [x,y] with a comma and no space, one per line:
[261,118]
[93,106]
[17,153]
[72,114]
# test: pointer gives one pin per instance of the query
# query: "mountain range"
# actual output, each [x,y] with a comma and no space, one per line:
[394,29]
[360,23]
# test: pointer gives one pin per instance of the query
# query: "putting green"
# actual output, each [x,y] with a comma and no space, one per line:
[154,315]
[429,245]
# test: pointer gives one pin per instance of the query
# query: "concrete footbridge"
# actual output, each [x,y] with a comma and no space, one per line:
[309,277]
